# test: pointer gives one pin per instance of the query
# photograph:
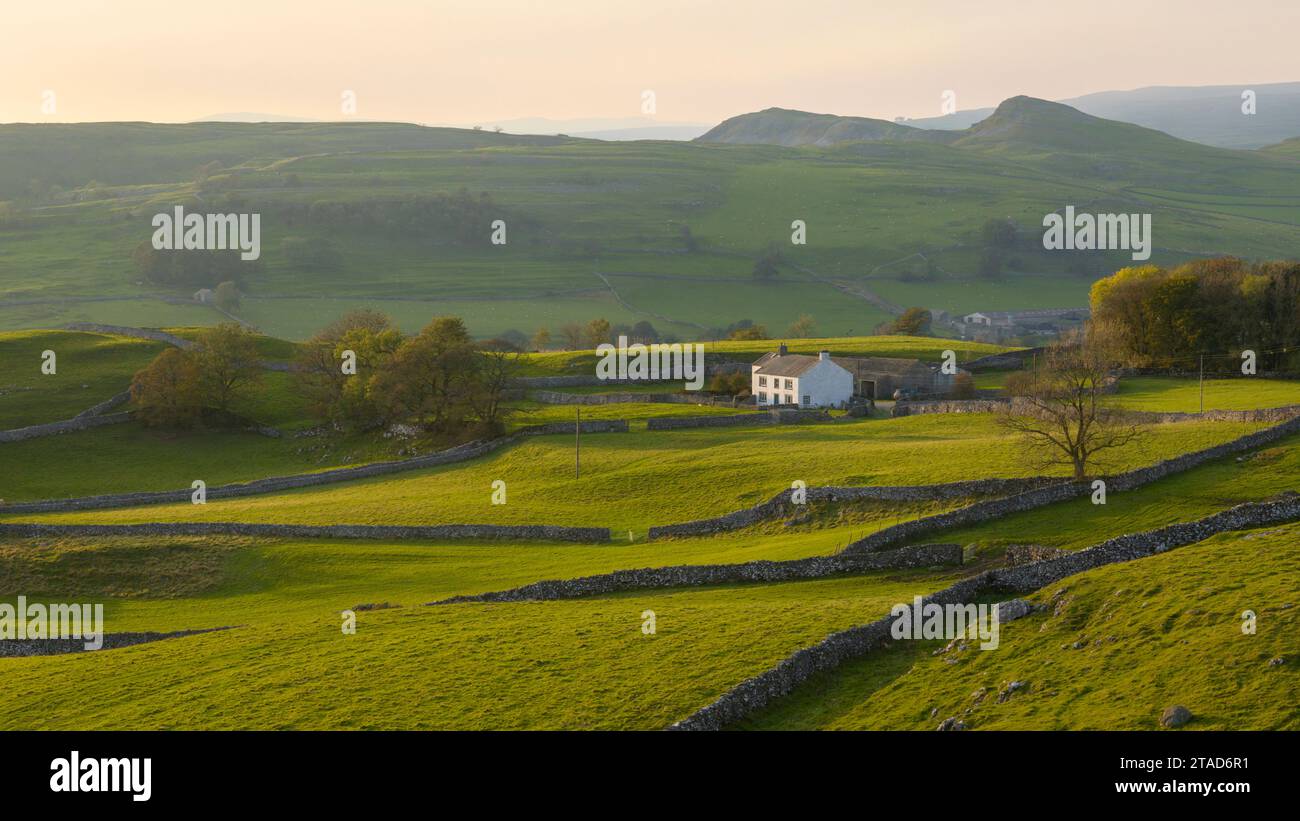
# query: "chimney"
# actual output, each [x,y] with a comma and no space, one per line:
[824,355]
[782,351]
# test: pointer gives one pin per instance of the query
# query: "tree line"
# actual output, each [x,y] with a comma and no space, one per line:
[1159,317]
[362,372]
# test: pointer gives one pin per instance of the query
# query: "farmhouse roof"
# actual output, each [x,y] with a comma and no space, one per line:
[792,364]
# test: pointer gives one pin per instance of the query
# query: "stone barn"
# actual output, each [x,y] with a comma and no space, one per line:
[877,377]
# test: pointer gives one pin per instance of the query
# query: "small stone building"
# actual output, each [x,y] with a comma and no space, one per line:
[877,377]
[783,378]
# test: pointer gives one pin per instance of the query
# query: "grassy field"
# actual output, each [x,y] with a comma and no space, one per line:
[1079,523]
[629,481]
[562,665]
[89,369]
[587,216]
[1157,393]
[1161,631]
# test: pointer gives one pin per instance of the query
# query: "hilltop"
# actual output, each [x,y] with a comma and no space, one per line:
[783,126]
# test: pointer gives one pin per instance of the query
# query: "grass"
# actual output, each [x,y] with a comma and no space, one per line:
[1159,393]
[89,369]
[629,480]
[577,209]
[1192,495]
[1160,631]
[464,666]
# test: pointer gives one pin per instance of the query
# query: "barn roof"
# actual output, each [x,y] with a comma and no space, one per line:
[880,364]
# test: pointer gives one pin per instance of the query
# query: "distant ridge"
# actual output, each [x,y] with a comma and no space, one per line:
[251,117]
[783,126]
[1211,115]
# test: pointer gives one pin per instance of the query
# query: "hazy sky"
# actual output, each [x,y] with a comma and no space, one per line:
[484,60]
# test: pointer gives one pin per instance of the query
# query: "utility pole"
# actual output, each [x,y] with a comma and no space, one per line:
[1202,383]
[577,444]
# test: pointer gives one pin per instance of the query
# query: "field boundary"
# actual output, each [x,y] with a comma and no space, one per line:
[781,504]
[757,692]
[91,417]
[546,533]
[997,508]
[458,453]
[701,575]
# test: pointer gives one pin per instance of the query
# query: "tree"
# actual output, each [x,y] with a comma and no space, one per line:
[571,333]
[912,322]
[768,265]
[226,356]
[597,332]
[166,392]
[227,296]
[990,264]
[430,378]
[689,243]
[1058,409]
[496,368]
[963,386]
[749,332]
[644,332]
[333,394]
[542,339]
[803,327]
[999,233]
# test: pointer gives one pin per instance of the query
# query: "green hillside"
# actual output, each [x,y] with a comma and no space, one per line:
[657,231]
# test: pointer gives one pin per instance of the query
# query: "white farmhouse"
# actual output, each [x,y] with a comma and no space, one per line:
[783,378]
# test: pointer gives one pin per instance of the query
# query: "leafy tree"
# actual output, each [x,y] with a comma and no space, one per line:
[802,328]
[228,363]
[598,332]
[749,332]
[430,378]
[1058,407]
[768,264]
[167,392]
[572,334]
[912,322]
[999,232]
[990,264]
[542,339]
[963,386]
[227,296]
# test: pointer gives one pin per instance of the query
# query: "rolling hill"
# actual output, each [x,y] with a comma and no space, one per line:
[1206,114]
[357,215]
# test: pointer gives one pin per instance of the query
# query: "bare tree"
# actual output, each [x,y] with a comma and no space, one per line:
[1058,406]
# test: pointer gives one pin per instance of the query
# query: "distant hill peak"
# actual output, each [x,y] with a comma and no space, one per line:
[791,127]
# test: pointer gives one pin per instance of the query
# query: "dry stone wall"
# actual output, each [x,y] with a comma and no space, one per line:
[997,508]
[460,453]
[769,417]
[755,693]
[66,426]
[136,333]
[693,575]
[547,533]
[782,505]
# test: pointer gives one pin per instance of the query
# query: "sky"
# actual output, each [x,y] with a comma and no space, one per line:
[482,61]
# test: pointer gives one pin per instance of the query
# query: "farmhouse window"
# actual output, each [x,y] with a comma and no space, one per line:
[762,381]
